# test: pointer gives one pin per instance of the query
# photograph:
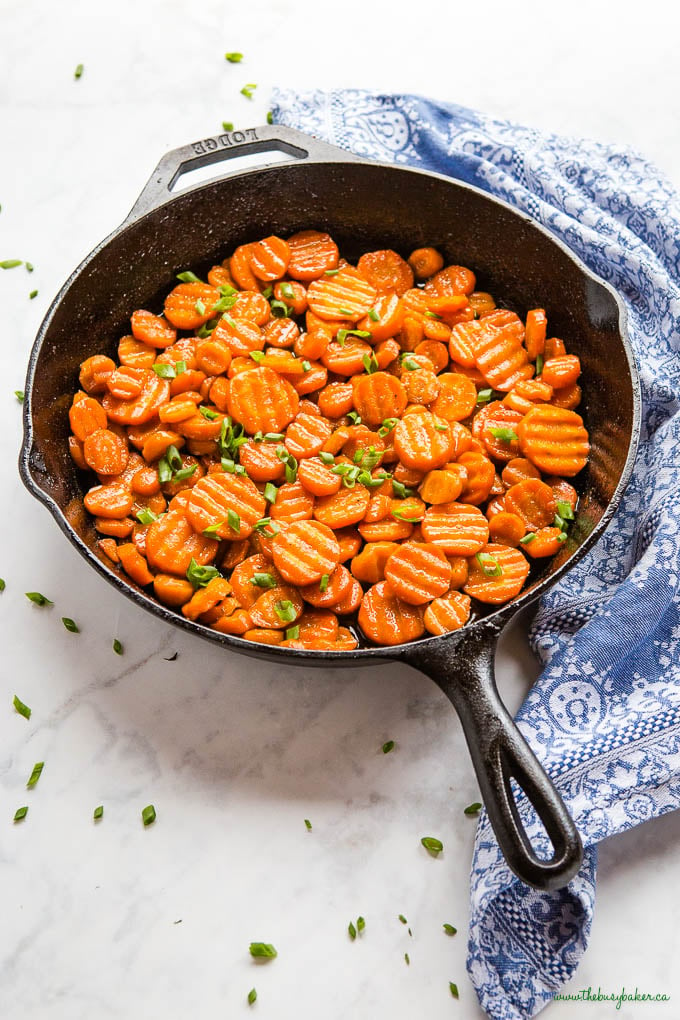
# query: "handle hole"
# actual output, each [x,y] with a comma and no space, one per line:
[542,846]
[214,169]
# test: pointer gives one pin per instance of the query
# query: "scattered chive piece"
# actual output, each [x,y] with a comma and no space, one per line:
[292,633]
[117,646]
[10,263]
[285,610]
[149,814]
[409,364]
[264,950]
[441,426]
[280,309]
[200,576]
[248,90]
[410,933]
[342,334]
[33,294]
[355,417]
[453,988]
[233,520]
[370,363]
[403,919]
[287,291]
[273,437]
[200,307]
[29,267]
[189,277]
[528,538]
[473,809]
[401,516]
[263,580]
[352,931]
[323,583]
[78,73]
[257,355]
[373,315]
[432,315]
[20,395]
[270,492]
[308,825]
[388,746]
[270,117]
[227,125]
[306,366]
[490,566]
[326,458]
[331,272]
[387,426]
[2,584]
[559,523]
[564,510]
[164,371]
[361,924]
[21,708]
[233,58]
[345,311]
[208,413]
[20,814]
[212,529]
[35,774]
[408,959]
[563,537]
[505,435]
[38,599]
[484,396]
[146,516]
[539,364]
[98,812]
[449,929]
[400,490]
[186,472]
[70,625]
[252,995]
[433,845]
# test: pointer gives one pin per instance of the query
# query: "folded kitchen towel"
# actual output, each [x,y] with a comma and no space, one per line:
[604,717]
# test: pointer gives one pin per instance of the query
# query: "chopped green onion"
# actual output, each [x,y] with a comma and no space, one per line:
[11,263]
[387,426]
[559,523]
[263,950]
[273,437]
[268,291]
[35,774]
[409,364]
[484,396]
[528,538]
[29,267]
[209,413]
[20,395]
[291,469]
[248,90]
[270,117]
[490,566]
[441,426]
[252,995]
[355,417]
[20,814]
[352,930]
[564,510]
[408,959]
[180,367]
[189,277]
[326,458]
[33,294]
[342,334]
[449,929]
[505,435]
[306,366]
[280,309]
[98,812]
[226,302]
[199,575]
[227,125]
[308,825]
[285,610]
[184,473]
[562,537]
[212,530]
[270,492]
[149,814]
[263,580]
[432,315]
[117,646]
[2,584]
[331,272]
[70,625]
[403,919]
[257,356]
[453,988]
[293,633]
[370,363]
[200,307]
[234,58]
[267,522]
[287,291]
[78,73]
[361,924]
[21,708]
[373,315]
[164,371]
[323,583]
[366,478]
[400,490]
[539,364]
[146,516]
[401,516]
[233,520]
[388,746]
[433,845]
[473,809]
[38,599]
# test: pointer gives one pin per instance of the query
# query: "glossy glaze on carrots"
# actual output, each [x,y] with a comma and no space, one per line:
[296,444]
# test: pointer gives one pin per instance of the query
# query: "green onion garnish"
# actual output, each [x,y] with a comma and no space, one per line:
[403,919]
[323,583]
[267,522]
[306,366]
[146,516]
[505,435]
[326,458]
[270,492]
[352,930]
[484,396]
[38,599]
[441,426]
[20,395]
[11,263]
[21,708]
[248,90]
[562,537]
[373,315]
[212,530]
[449,929]
[355,417]
[78,73]
[293,633]
[164,371]
[227,125]
[20,814]
[407,959]
[490,566]
[70,625]
[117,646]
[287,291]
[33,294]
[433,845]
[539,364]
[280,310]
[35,774]
[200,307]
[149,814]
[401,516]
[453,988]
[263,950]
[564,510]
[400,490]
[342,334]
[387,426]
[308,825]
[252,995]
[98,812]
[331,272]
[257,356]
[473,809]
[285,610]
[2,584]
[209,413]
[233,520]
[370,363]
[273,437]
[199,575]
[528,538]
[183,473]
[409,364]
[388,746]
[189,277]
[361,924]
[263,580]
[233,58]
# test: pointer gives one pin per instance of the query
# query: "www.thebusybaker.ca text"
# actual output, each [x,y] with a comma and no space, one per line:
[588,995]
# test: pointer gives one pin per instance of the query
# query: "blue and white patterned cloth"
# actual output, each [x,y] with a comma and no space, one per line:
[604,717]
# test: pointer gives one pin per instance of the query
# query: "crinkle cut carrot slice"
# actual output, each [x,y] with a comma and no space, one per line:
[562,371]
[533,502]
[241,336]
[457,529]
[350,542]
[345,296]
[443,485]
[517,470]
[269,258]
[189,305]
[500,356]
[425,262]
[96,370]
[140,409]
[264,636]
[450,612]
[346,506]
[480,477]
[252,306]
[350,602]
[111,501]
[293,503]
[457,397]
[306,435]
[569,397]
[277,608]
[305,551]
[283,333]
[546,542]
[386,270]
[261,461]
[452,280]
[369,564]
[554,439]
[336,399]
[418,573]
[312,253]
[174,591]
[230,503]
[435,352]
[105,452]
[379,396]
[317,477]
[172,543]
[497,417]
[506,528]
[134,564]
[262,401]
[346,358]
[241,270]
[463,342]
[86,416]
[497,574]
[536,326]
[385,319]
[244,589]
[386,619]
[423,441]
[329,589]
[152,329]
[389,530]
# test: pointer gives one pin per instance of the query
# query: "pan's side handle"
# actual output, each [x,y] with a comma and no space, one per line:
[230,145]
[464,670]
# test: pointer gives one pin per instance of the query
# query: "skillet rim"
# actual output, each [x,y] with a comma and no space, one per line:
[492,623]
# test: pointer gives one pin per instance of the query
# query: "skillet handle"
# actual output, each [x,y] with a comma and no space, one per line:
[464,670]
[230,145]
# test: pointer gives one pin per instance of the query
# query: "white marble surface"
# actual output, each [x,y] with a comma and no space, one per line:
[235,754]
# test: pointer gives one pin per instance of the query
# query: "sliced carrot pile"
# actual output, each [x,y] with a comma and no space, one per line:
[309,454]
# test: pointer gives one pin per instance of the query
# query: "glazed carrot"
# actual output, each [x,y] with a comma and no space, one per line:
[441,486]
[506,529]
[450,612]
[105,452]
[457,397]
[480,477]
[189,305]
[569,397]
[261,461]
[346,358]
[452,280]
[306,435]
[237,622]
[385,317]
[313,378]
[305,551]
[86,417]
[113,500]
[336,399]
[369,565]
[241,269]
[95,371]
[535,332]
[423,441]
[416,306]
[109,547]
[293,294]
[378,509]
[171,544]
[312,253]
[75,448]
[293,503]
[495,426]
[497,574]
[219,276]
[227,504]
[435,352]
[421,385]
[387,620]
[252,306]
[526,393]
[346,506]
[277,608]
[318,623]
[349,603]
[561,371]
[245,575]
[379,396]
[152,329]
[134,565]
[330,589]
[411,333]
[269,258]
[425,262]
[311,346]
[347,295]
[173,591]
[239,335]
[562,490]
[205,599]
[544,542]
[481,302]
[500,356]
[554,348]
[262,401]
[142,408]
[391,529]
[417,573]
[457,529]
[517,470]
[554,439]
[179,408]
[264,636]
[317,477]
[116,527]
[281,333]
[533,502]
[386,271]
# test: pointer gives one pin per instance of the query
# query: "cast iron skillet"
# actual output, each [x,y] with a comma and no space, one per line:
[364,205]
